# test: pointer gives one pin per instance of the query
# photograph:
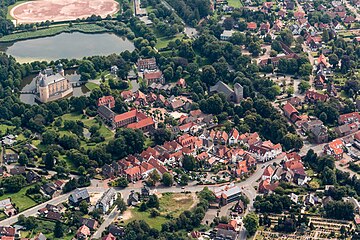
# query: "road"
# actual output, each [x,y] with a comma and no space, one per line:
[108,219]
[352,9]
[189,31]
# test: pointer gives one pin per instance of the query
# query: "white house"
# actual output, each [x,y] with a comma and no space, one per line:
[107,200]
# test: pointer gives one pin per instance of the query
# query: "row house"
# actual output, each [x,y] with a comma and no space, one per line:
[349,118]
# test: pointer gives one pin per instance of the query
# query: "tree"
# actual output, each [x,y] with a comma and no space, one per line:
[86,70]
[209,75]
[13,184]
[161,135]
[153,178]
[304,86]
[153,202]
[228,23]
[23,159]
[83,206]
[121,205]
[121,182]
[189,163]
[49,160]
[333,60]
[167,179]
[305,69]
[49,137]
[58,230]
[325,36]
[251,223]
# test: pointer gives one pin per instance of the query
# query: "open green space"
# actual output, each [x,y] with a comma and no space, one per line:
[175,203]
[45,227]
[22,201]
[145,216]
[53,30]
[235,3]
[162,42]
[4,128]
[170,204]
[91,86]
[88,122]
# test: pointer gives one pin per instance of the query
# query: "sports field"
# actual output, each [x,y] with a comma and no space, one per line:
[62,10]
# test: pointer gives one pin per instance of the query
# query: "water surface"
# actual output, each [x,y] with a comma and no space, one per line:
[67,45]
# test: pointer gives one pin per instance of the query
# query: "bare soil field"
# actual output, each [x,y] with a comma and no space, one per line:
[62,10]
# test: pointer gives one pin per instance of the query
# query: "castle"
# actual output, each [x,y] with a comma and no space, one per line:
[52,86]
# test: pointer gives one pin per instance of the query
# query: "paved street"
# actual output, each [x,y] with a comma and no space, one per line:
[108,219]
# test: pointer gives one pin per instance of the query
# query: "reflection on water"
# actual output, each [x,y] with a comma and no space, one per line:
[28,84]
[67,45]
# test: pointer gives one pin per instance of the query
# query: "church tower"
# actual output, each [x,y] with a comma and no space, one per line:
[239,92]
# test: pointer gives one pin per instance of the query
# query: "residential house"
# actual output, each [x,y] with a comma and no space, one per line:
[265,151]
[32,176]
[92,224]
[109,237]
[146,64]
[234,136]
[10,157]
[347,129]
[335,149]
[133,199]
[349,118]
[108,171]
[116,230]
[107,200]
[83,233]
[108,101]
[313,97]
[50,190]
[226,35]
[252,26]
[153,77]
[17,170]
[78,196]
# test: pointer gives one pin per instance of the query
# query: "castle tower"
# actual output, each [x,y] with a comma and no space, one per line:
[60,69]
[43,89]
[239,92]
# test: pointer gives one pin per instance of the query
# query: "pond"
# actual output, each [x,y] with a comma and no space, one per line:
[28,84]
[67,45]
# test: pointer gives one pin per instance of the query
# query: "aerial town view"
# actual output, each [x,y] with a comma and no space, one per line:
[179,119]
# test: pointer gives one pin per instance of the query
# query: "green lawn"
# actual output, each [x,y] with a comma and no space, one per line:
[53,30]
[170,203]
[45,227]
[153,222]
[162,42]
[4,128]
[22,201]
[91,86]
[88,122]
[235,3]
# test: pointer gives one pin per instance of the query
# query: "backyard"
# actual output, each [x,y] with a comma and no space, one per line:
[20,199]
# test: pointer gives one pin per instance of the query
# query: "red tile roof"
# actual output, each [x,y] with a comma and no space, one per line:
[142,123]
[252,25]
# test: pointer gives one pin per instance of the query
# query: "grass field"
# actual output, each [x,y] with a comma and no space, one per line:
[153,222]
[22,201]
[175,203]
[235,3]
[91,86]
[170,204]
[54,30]
[88,122]
[162,42]
[45,227]
[4,128]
